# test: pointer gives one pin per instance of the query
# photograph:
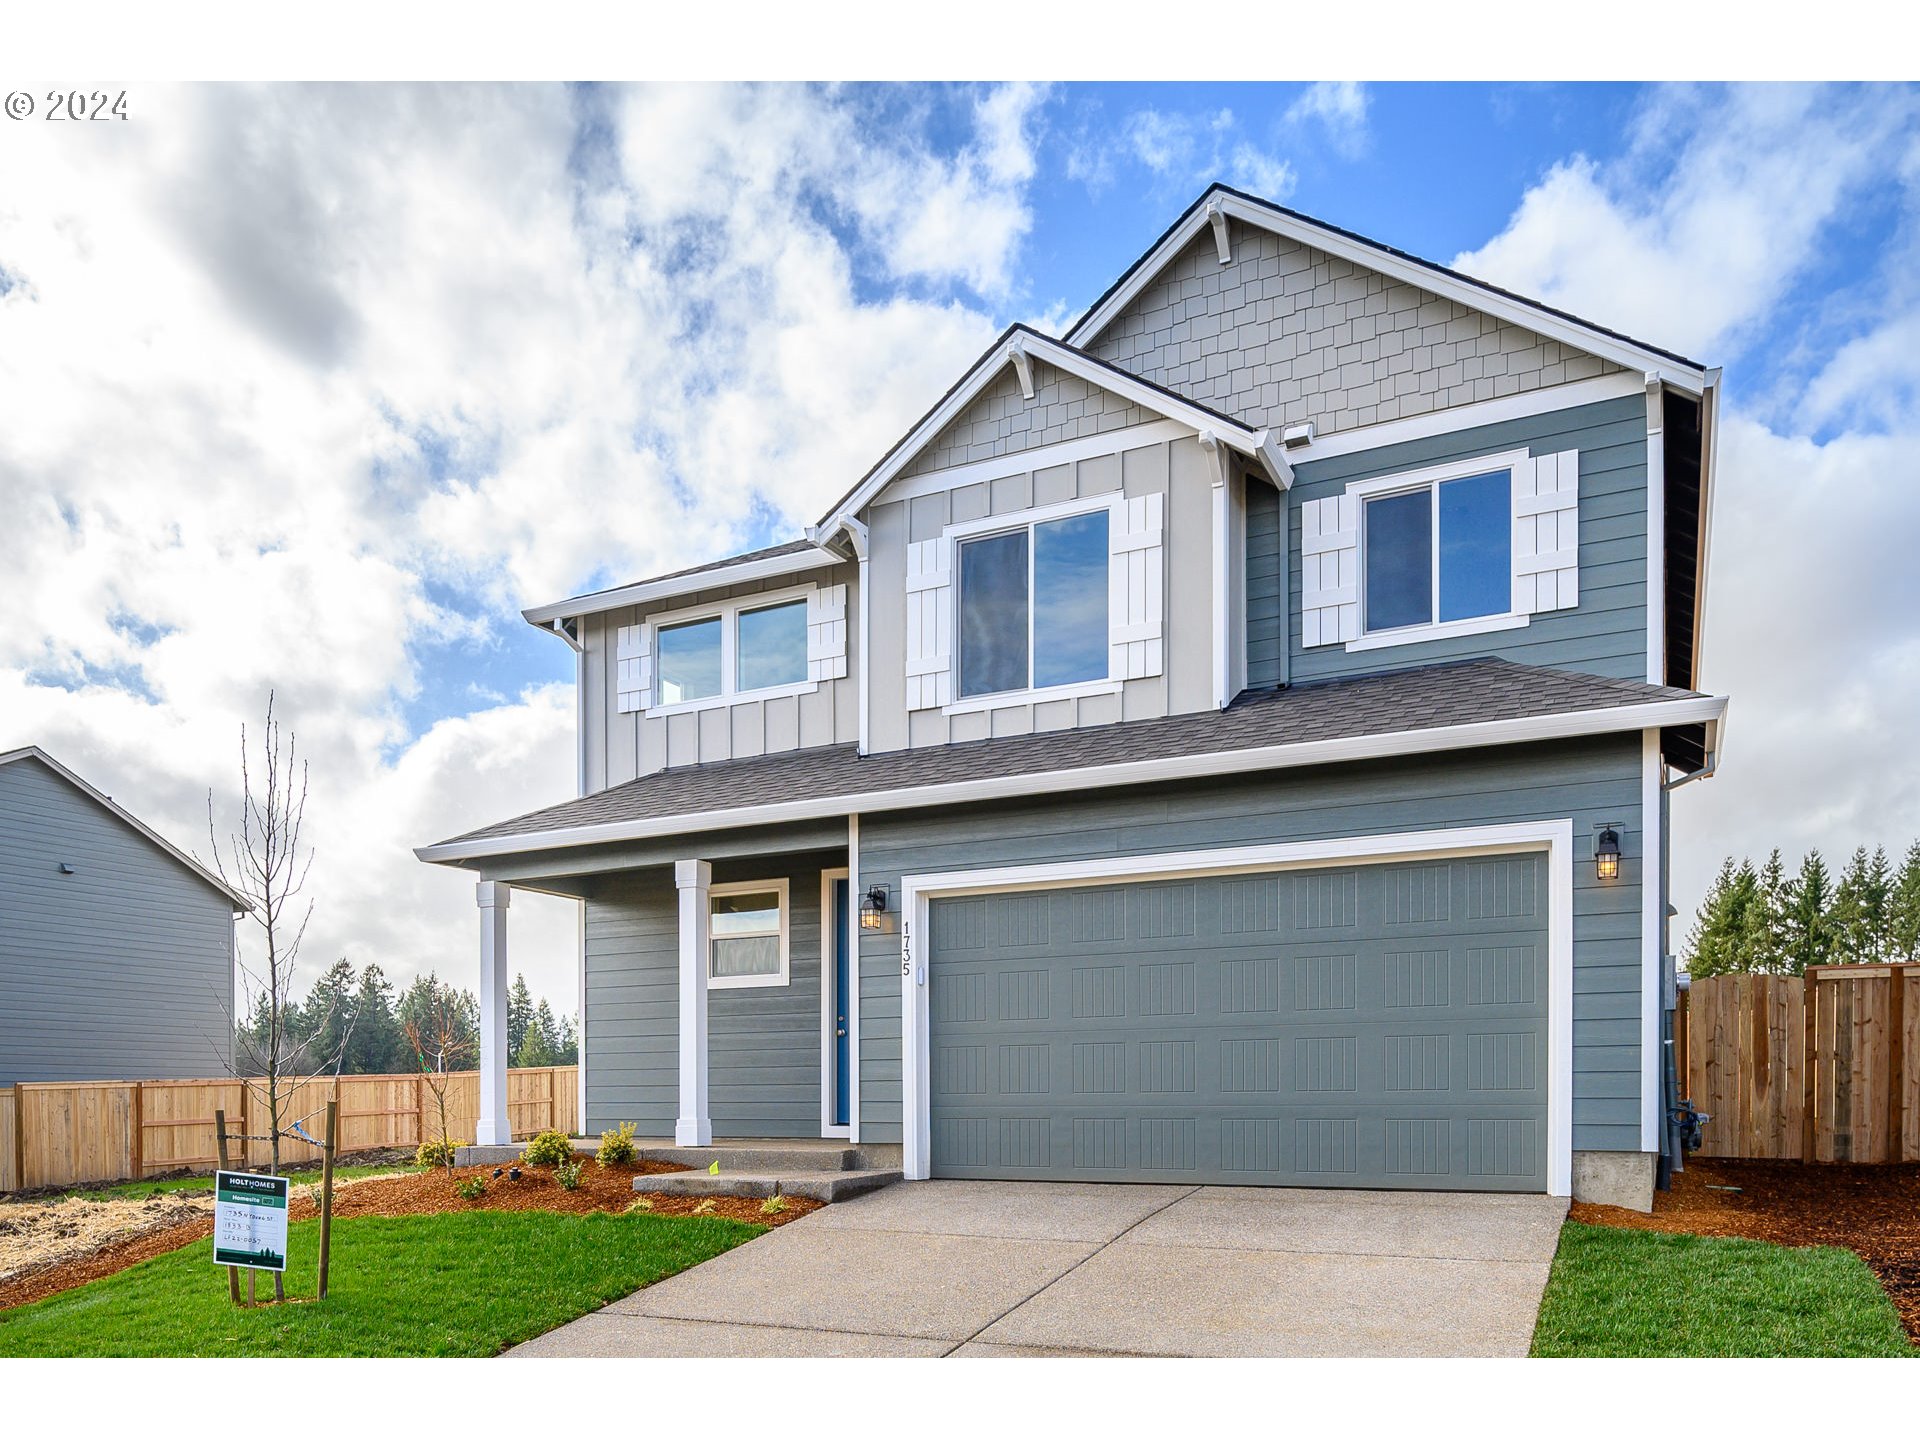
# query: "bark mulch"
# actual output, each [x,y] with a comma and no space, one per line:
[430,1192]
[1872,1210]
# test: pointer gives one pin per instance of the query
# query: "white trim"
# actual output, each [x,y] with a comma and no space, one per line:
[768,568]
[1522,406]
[1444,630]
[1373,257]
[1220,566]
[1652,926]
[1553,836]
[1701,709]
[1710,443]
[753,982]
[829,1129]
[1253,443]
[1032,695]
[1046,457]
[693,1121]
[853,997]
[1656,534]
[1430,478]
[241,904]
[728,612]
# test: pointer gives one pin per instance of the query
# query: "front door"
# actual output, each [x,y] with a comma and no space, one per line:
[841,987]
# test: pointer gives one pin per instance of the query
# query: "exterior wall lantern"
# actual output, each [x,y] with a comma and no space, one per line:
[1606,853]
[873,908]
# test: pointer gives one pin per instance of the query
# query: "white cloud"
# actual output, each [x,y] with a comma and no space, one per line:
[1340,108]
[298,383]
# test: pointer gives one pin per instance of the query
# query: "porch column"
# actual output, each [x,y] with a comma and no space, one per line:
[493,1127]
[694,1126]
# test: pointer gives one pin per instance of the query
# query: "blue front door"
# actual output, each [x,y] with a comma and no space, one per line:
[842,987]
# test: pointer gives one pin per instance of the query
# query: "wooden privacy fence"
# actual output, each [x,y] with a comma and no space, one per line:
[71,1133]
[1824,1068]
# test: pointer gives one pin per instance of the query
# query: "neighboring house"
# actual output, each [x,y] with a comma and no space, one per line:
[1236,737]
[116,949]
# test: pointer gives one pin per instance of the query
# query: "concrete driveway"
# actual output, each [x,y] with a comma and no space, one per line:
[951,1267]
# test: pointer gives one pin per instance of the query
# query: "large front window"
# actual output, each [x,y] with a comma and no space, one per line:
[747,942]
[1033,606]
[739,652]
[1439,553]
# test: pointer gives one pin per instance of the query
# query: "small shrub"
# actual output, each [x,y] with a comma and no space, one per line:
[774,1205]
[569,1174]
[705,1207]
[471,1188]
[549,1147]
[435,1154]
[640,1206]
[617,1147]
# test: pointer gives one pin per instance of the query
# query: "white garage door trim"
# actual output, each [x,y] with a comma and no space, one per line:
[1554,837]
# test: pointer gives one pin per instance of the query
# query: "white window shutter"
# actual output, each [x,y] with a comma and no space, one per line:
[1136,600]
[827,633]
[1330,571]
[929,624]
[1546,533]
[633,653]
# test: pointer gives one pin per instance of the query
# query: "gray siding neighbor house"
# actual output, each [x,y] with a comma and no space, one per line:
[116,949]
[1228,743]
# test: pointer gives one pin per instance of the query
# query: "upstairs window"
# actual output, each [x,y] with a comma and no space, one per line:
[1439,552]
[743,651]
[1033,606]
[773,646]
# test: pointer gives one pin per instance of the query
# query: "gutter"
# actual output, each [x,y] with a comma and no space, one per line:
[1709,709]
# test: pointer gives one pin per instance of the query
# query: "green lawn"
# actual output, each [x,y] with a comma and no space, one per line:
[140,1189]
[462,1283]
[1640,1293]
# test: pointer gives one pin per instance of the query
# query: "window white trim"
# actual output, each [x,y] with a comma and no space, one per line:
[1555,837]
[1430,478]
[728,613]
[1113,504]
[828,1129]
[751,982]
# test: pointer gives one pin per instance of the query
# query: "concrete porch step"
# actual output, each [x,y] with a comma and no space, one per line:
[762,1157]
[825,1186]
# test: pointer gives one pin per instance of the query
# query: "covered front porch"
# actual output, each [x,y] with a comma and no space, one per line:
[719,998]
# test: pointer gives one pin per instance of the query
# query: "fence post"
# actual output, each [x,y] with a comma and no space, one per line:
[220,1144]
[138,1149]
[19,1135]
[1809,1064]
[1896,1061]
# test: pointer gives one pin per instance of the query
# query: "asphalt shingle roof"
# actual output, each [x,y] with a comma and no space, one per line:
[1429,697]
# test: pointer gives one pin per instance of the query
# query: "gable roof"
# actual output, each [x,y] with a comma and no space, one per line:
[34,752]
[1020,344]
[1677,370]
[1451,706]
[793,557]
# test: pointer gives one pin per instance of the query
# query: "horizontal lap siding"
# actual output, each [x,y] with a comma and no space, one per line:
[123,969]
[1606,634]
[763,1044]
[1591,780]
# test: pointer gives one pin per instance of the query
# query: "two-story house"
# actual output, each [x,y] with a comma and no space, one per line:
[1230,743]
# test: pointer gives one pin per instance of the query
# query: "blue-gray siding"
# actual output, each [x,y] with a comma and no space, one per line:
[1590,780]
[121,970]
[764,1043]
[1606,634]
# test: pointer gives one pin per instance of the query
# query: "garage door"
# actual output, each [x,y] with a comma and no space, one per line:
[1383,1025]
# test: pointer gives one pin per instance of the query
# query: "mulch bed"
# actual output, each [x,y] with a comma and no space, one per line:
[430,1192]
[1872,1210]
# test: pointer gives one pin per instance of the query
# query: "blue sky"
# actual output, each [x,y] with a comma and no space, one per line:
[316,387]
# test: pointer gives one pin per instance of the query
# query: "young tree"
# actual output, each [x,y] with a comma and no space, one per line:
[441,1044]
[267,863]
[519,1016]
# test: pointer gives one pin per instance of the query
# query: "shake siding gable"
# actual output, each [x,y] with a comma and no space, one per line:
[122,970]
[1285,333]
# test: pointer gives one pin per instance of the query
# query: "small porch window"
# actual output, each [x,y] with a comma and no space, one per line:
[748,935]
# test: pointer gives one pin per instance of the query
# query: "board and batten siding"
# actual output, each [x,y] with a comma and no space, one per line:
[763,1043]
[1175,468]
[1593,781]
[622,747]
[1606,634]
[122,970]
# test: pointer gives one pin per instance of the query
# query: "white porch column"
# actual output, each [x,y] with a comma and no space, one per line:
[694,1126]
[493,1127]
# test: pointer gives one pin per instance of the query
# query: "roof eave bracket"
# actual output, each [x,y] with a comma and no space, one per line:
[1022,365]
[1217,215]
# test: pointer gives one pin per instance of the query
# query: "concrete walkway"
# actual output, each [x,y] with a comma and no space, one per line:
[989,1268]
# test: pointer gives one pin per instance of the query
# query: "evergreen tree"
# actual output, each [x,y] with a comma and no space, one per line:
[519,1015]
[1707,946]
[328,1014]
[1808,932]
[1766,922]
[1903,908]
[419,1007]
[376,1046]
[568,1052]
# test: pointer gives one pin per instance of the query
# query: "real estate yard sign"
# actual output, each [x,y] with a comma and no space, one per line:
[250,1220]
